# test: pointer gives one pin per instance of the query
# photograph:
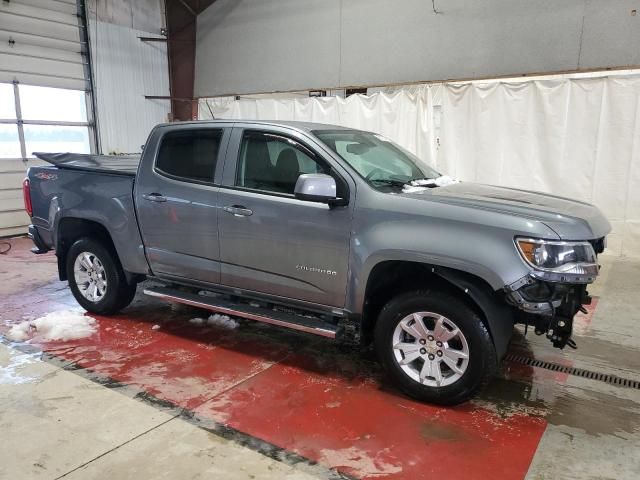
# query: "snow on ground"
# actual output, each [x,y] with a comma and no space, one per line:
[19,332]
[63,325]
[216,320]
[222,321]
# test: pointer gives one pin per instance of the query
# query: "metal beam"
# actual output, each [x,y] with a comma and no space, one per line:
[186,5]
[152,39]
[181,49]
[165,97]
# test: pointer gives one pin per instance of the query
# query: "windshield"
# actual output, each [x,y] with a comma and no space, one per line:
[382,163]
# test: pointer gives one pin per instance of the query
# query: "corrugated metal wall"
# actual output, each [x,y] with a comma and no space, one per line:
[125,70]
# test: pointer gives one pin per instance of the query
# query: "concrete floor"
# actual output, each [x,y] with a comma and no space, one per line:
[193,401]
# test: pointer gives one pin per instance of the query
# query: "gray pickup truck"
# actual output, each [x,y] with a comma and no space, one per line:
[327,230]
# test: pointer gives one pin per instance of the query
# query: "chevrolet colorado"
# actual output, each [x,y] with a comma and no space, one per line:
[327,230]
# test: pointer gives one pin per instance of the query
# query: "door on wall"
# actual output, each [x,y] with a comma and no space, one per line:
[44,93]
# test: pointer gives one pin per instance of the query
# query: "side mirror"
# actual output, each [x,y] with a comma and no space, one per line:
[316,187]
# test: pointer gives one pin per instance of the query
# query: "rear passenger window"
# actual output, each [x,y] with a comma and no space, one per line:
[189,154]
[273,163]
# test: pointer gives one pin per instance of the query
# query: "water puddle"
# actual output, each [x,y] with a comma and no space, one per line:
[14,369]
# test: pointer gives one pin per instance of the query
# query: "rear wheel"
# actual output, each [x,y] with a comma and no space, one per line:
[434,347]
[96,278]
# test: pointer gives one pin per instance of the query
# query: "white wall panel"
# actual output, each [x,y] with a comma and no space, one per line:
[13,218]
[252,46]
[66,6]
[41,44]
[21,23]
[125,70]
[35,39]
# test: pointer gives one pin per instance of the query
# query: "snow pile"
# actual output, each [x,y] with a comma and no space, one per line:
[222,321]
[19,332]
[64,325]
[422,185]
[216,320]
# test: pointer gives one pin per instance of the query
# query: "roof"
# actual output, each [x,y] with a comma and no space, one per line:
[306,126]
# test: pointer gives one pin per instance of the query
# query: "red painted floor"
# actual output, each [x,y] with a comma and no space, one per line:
[300,393]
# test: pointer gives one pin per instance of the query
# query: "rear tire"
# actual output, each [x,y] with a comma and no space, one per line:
[446,360]
[96,278]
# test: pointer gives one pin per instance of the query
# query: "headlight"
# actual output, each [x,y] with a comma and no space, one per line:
[559,261]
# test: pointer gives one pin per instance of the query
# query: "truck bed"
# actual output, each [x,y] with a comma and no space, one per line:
[114,164]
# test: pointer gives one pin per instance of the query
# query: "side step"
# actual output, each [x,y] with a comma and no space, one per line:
[281,319]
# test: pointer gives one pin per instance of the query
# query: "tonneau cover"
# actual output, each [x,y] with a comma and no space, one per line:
[118,164]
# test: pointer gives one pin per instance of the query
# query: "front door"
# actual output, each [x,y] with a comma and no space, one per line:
[177,204]
[271,242]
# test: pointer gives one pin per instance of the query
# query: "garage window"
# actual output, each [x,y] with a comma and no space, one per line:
[45,120]
[9,141]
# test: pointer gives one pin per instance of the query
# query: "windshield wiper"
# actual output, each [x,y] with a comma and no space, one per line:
[388,181]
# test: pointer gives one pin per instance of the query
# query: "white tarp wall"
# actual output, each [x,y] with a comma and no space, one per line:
[403,116]
[575,138]
[578,138]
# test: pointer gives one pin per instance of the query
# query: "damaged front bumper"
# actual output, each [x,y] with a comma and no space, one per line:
[549,297]
[549,307]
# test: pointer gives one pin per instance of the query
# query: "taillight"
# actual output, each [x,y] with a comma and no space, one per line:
[26,193]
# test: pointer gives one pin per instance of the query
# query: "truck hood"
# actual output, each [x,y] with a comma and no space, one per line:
[570,219]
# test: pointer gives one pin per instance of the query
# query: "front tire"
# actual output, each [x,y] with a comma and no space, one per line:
[96,278]
[434,347]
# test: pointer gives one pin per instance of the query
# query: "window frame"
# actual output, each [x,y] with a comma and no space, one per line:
[313,154]
[158,171]
[20,122]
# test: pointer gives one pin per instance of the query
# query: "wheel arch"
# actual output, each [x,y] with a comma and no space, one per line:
[391,277]
[71,229]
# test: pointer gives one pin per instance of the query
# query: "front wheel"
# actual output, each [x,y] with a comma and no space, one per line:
[96,278]
[434,347]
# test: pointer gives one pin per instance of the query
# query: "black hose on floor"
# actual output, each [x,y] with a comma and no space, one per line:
[5,250]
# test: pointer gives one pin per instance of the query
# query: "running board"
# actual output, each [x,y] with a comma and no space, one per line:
[294,322]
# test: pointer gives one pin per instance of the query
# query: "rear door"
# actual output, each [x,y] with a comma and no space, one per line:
[271,242]
[177,201]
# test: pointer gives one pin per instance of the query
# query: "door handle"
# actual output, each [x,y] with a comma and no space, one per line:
[154,197]
[238,211]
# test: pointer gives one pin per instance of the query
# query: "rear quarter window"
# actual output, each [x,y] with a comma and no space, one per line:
[189,155]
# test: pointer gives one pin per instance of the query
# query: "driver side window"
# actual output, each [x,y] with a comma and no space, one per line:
[273,163]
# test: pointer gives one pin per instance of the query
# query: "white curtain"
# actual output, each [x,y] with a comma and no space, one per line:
[575,138]
[403,116]
[578,138]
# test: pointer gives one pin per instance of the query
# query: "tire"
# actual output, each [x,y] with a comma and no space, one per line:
[419,377]
[106,271]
